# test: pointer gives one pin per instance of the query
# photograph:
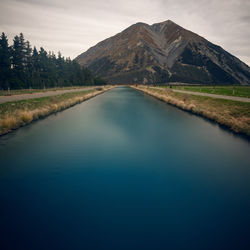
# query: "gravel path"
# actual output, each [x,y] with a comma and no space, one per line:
[227,97]
[233,98]
[14,98]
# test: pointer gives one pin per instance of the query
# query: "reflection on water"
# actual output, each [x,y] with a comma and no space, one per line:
[124,171]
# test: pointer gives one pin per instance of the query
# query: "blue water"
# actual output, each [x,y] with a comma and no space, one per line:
[124,171]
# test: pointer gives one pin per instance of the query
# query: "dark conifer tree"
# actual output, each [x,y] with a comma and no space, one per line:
[18,62]
[35,69]
[5,65]
[43,61]
[28,65]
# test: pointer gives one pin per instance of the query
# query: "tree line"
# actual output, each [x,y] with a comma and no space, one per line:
[22,67]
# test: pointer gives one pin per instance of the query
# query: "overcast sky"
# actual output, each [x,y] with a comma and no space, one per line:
[75,25]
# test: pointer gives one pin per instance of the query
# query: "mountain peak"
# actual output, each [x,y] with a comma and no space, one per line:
[140,24]
[160,27]
[165,22]
[163,52]
[136,26]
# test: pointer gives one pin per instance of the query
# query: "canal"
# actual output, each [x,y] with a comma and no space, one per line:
[124,171]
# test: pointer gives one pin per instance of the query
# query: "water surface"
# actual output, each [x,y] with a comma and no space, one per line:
[124,171]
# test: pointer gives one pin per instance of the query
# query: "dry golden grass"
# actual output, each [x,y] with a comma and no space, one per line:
[232,114]
[17,114]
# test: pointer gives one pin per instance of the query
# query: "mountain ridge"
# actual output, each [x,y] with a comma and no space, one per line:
[160,53]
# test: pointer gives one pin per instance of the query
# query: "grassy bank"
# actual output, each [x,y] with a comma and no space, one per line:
[16,114]
[241,91]
[232,114]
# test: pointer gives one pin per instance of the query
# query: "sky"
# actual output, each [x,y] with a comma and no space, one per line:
[73,26]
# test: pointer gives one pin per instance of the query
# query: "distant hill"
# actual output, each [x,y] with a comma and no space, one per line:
[160,53]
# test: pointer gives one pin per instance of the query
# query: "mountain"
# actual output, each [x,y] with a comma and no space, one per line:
[161,53]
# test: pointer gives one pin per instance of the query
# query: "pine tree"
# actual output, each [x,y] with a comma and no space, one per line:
[28,64]
[35,75]
[52,70]
[60,69]
[5,65]
[18,62]
[43,63]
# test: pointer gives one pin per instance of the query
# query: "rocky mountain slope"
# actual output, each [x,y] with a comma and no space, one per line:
[161,53]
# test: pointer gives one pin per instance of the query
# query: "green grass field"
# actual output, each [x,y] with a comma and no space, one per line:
[241,91]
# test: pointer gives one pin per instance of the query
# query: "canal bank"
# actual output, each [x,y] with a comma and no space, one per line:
[233,115]
[14,115]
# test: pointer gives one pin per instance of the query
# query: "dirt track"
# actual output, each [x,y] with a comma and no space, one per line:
[233,98]
[14,98]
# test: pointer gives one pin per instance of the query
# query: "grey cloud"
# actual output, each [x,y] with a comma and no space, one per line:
[74,26]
